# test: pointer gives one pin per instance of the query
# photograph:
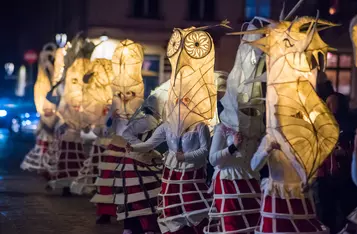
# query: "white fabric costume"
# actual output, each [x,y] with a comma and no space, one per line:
[236,203]
[193,201]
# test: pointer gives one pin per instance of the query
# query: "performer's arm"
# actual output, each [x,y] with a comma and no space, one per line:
[156,139]
[219,150]
[204,137]
[261,156]
[135,128]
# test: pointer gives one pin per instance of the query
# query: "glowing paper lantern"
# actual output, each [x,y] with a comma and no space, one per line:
[105,50]
[127,86]
[59,65]
[71,101]
[192,93]
[296,117]
[97,92]
[353,34]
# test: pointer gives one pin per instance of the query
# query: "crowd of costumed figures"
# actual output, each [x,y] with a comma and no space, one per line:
[147,164]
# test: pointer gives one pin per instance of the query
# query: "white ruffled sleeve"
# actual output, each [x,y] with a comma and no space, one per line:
[139,126]
[261,155]
[156,139]
[219,151]
[202,152]
[354,168]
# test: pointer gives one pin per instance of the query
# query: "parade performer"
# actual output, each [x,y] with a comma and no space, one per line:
[301,131]
[97,100]
[34,159]
[184,201]
[351,226]
[70,153]
[129,181]
[236,203]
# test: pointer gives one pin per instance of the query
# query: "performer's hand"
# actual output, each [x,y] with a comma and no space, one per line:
[274,146]
[128,148]
[180,156]
[237,139]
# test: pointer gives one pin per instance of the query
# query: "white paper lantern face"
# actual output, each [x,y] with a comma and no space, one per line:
[127,86]
[192,94]
[97,93]
[73,93]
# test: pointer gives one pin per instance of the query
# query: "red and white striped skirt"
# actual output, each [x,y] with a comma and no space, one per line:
[84,183]
[105,191]
[33,161]
[236,206]
[69,160]
[128,188]
[289,216]
[183,200]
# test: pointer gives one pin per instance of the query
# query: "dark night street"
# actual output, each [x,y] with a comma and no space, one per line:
[25,206]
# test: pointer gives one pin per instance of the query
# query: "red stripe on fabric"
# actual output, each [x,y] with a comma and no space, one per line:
[116,148]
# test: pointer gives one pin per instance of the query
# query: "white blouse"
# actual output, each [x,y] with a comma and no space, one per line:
[231,166]
[283,181]
[139,126]
[195,146]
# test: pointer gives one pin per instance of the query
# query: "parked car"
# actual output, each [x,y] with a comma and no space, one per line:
[18,115]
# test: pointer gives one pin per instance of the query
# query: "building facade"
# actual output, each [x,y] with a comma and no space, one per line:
[150,22]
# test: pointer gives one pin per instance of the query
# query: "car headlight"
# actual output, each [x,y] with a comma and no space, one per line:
[3,113]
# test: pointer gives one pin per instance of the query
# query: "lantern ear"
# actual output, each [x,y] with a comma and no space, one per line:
[263,30]
[87,77]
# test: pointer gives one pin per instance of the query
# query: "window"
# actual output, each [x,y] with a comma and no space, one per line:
[257,8]
[201,10]
[145,9]
[150,72]
[339,72]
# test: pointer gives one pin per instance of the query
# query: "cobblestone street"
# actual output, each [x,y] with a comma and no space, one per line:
[27,208]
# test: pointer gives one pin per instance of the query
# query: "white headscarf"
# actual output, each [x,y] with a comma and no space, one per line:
[239,95]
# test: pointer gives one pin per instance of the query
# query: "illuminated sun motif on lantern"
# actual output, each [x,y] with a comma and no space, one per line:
[127,86]
[192,93]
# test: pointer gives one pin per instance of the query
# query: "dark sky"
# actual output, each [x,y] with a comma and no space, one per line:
[29,24]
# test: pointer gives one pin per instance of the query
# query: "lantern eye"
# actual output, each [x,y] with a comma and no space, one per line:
[74,81]
[288,43]
[174,44]
[198,44]
[186,100]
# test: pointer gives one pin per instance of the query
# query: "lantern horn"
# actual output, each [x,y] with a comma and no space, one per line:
[224,24]
[263,30]
[281,17]
[294,9]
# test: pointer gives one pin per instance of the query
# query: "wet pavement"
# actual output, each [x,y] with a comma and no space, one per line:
[27,208]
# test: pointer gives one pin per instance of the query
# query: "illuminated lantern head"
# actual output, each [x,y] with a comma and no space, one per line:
[296,116]
[192,92]
[127,86]
[59,65]
[97,92]
[71,101]
[43,85]
[353,33]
